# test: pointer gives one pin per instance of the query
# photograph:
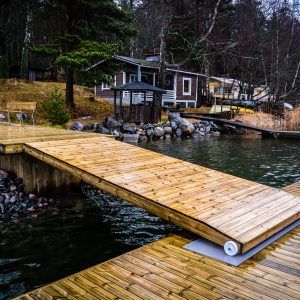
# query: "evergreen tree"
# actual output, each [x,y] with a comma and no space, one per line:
[90,30]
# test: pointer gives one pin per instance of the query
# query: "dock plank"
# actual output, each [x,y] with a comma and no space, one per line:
[165,270]
[213,204]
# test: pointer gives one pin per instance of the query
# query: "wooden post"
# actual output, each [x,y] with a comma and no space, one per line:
[130,107]
[121,104]
[144,106]
[115,102]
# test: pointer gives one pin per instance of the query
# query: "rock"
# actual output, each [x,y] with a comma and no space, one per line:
[147,126]
[77,126]
[168,130]
[150,133]
[173,125]
[113,123]
[2,117]
[102,129]
[187,130]
[207,129]
[173,115]
[159,132]
[130,138]
[216,133]
[178,132]
[127,128]
[116,133]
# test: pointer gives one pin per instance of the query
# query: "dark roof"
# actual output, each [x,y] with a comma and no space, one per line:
[138,86]
[148,64]
[153,64]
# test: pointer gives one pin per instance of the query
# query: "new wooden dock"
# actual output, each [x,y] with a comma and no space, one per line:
[13,138]
[165,270]
[213,204]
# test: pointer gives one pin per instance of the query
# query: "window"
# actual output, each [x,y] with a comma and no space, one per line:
[191,104]
[134,77]
[107,86]
[187,86]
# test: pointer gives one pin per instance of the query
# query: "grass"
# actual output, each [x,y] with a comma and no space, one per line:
[21,90]
[291,120]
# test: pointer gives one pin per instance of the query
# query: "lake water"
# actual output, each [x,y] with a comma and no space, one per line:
[82,231]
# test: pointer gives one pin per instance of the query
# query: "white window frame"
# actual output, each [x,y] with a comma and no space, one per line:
[189,93]
[106,86]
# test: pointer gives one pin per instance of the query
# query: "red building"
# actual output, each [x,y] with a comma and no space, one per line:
[181,84]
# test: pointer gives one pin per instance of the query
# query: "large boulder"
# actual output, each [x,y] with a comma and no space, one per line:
[102,129]
[173,115]
[113,123]
[150,133]
[168,130]
[159,132]
[77,126]
[179,132]
[128,128]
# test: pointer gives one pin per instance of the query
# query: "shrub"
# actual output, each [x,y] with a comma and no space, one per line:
[54,108]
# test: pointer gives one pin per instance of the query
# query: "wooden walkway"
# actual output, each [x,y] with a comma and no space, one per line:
[265,131]
[165,270]
[13,138]
[212,204]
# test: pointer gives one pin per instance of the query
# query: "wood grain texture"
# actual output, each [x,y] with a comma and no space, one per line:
[13,137]
[165,270]
[215,205]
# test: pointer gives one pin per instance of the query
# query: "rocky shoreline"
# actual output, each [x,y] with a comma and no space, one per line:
[14,202]
[176,127]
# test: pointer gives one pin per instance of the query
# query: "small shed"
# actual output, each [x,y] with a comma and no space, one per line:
[147,112]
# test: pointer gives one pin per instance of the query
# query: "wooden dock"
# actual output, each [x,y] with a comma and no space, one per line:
[266,132]
[212,204]
[13,138]
[165,270]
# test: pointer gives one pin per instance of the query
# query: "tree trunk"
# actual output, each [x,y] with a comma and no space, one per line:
[26,42]
[69,87]
[162,59]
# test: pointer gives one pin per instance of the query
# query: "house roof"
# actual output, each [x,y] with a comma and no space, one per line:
[230,81]
[138,86]
[149,64]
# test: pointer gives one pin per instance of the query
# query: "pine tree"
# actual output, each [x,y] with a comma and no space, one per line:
[90,30]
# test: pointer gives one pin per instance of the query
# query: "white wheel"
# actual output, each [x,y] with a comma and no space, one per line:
[231,248]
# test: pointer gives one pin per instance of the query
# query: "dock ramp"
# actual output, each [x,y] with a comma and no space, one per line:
[218,206]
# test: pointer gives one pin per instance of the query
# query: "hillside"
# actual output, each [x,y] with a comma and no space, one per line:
[20,90]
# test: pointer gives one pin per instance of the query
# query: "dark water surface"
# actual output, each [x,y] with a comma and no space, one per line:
[83,231]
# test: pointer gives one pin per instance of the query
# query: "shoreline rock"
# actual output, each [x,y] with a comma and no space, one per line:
[176,127]
[14,202]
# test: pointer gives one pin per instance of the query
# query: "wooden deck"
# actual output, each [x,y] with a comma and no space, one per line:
[212,204]
[164,270]
[12,138]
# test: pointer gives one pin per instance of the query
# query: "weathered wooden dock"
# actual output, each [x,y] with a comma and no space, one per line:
[212,204]
[266,132]
[165,270]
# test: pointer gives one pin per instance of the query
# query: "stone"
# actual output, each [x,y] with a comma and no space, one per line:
[2,117]
[159,132]
[77,126]
[102,129]
[168,130]
[150,133]
[127,128]
[113,123]
[178,132]
[116,133]
[130,138]
[187,130]
[207,129]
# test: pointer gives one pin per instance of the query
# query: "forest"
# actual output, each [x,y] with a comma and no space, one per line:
[256,42]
